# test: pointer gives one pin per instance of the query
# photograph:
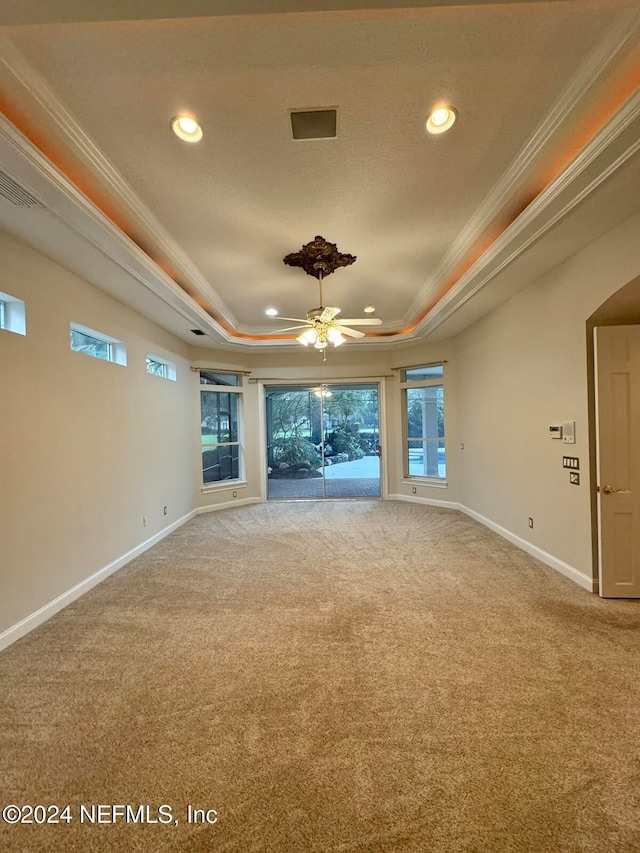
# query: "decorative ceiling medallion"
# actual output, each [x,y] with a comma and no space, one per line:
[319,258]
[321,328]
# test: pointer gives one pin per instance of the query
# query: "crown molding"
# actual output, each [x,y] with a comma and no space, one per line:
[32,170]
[107,175]
[494,261]
[587,75]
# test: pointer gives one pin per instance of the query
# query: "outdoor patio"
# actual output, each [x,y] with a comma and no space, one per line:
[359,478]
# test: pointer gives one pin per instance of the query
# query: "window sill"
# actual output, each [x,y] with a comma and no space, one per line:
[432,483]
[224,486]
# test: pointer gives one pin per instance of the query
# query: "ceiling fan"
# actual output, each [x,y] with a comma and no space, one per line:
[321,328]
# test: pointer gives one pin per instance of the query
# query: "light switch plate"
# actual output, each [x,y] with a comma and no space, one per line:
[571,462]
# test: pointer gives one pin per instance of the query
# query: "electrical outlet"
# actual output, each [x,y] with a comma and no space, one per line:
[165,511]
[235,494]
[574,478]
[144,521]
[530,522]
[413,490]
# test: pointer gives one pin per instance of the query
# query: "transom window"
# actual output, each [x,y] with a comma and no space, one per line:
[97,345]
[221,427]
[210,377]
[90,345]
[157,366]
[12,314]
[423,416]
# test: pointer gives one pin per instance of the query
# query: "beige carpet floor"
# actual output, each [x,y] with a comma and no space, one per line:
[360,677]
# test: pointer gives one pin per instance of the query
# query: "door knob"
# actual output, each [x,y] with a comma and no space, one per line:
[608,490]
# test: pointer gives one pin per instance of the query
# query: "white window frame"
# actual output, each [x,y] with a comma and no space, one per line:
[117,349]
[169,367]
[13,314]
[222,485]
[436,381]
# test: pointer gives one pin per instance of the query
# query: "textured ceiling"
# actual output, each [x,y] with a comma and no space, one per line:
[536,85]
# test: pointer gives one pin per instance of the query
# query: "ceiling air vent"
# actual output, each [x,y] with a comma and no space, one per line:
[197,331]
[14,193]
[314,124]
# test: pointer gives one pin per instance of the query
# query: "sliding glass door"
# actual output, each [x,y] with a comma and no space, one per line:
[323,441]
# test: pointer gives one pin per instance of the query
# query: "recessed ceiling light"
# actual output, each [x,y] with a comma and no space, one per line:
[369,309]
[271,312]
[441,119]
[186,128]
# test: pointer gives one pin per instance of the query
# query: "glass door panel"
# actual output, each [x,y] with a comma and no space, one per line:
[294,444]
[352,441]
[323,442]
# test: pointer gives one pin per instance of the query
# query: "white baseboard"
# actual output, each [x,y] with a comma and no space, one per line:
[10,635]
[413,499]
[544,557]
[15,632]
[228,505]
[565,569]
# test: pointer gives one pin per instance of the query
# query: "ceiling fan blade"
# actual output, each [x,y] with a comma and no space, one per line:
[351,333]
[291,328]
[295,319]
[328,314]
[362,321]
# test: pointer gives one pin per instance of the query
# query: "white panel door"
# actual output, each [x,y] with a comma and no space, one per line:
[617,355]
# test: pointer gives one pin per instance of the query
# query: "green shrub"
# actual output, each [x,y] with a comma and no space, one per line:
[295,451]
[346,439]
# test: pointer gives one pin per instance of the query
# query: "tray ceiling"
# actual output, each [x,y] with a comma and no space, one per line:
[548,113]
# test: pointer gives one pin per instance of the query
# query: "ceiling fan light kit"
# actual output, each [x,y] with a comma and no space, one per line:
[320,258]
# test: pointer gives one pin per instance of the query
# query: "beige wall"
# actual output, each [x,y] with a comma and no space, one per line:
[88,447]
[522,368]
